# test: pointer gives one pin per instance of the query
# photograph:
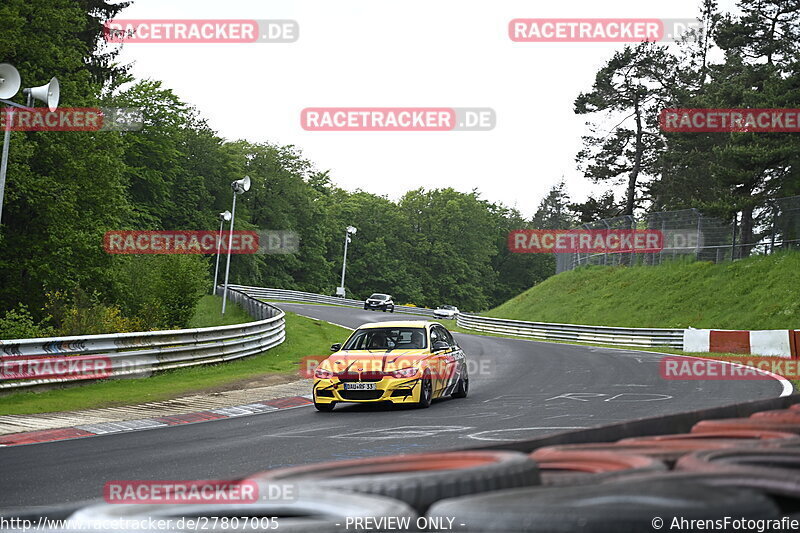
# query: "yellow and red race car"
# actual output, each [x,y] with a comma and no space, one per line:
[408,362]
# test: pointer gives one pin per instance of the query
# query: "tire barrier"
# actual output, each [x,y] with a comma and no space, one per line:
[746,436]
[786,415]
[743,461]
[419,480]
[735,467]
[782,486]
[559,467]
[775,471]
[631,506]
[667,452]
[764,424]
[310,509]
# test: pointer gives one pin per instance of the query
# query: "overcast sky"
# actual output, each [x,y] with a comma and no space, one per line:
[390,53]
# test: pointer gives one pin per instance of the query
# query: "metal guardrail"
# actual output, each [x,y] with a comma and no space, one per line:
[264,293]
[564,332]
[138,354]
[672,338]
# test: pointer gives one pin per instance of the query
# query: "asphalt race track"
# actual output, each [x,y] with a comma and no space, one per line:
[518,389]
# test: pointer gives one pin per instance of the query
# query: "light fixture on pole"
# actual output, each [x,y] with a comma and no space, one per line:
[10,82]
[224,217]
[239,187]
[350,231]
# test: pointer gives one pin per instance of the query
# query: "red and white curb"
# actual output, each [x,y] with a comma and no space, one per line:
[105,428]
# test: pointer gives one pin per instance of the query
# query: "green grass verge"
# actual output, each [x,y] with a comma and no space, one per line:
[760,292]
[209,313]
[304,337]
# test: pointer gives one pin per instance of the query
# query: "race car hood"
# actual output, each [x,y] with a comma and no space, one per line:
[373,361]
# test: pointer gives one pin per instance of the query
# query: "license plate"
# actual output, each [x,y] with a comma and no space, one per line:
[359,386]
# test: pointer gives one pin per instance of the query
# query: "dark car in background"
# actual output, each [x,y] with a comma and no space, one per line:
[380,301]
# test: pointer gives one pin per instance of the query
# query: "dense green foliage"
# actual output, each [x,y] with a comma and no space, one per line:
[754,293]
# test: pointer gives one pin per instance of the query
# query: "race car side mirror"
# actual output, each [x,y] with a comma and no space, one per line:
[440,345]
[336,347]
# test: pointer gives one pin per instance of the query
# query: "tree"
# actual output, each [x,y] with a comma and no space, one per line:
[593,209]
[633,84]
[553,211]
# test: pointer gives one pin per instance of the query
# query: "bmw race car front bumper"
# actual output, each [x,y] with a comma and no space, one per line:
[387,389]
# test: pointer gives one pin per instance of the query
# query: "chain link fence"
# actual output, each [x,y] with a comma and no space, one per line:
[690,233]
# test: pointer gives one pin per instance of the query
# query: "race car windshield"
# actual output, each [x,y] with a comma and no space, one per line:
[377,296]
[387,339]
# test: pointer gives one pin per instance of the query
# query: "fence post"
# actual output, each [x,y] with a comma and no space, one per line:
[733,236]
[699,233]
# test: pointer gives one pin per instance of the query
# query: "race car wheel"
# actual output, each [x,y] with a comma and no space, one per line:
[426,390]
[325,407]
[463,386]
[391,310]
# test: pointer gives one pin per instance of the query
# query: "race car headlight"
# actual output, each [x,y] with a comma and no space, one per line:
[405,373]
[321,373]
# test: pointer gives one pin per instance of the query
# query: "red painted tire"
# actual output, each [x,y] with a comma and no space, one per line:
[761,424]
[418,479]
[743,437]
[786,415]
[779,464]
[568,467]
[668,452]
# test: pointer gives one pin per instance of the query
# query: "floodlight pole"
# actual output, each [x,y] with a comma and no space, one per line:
[219,245]
[230,244]
[344,259]
[350,231]
[9,111]
[239,187]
